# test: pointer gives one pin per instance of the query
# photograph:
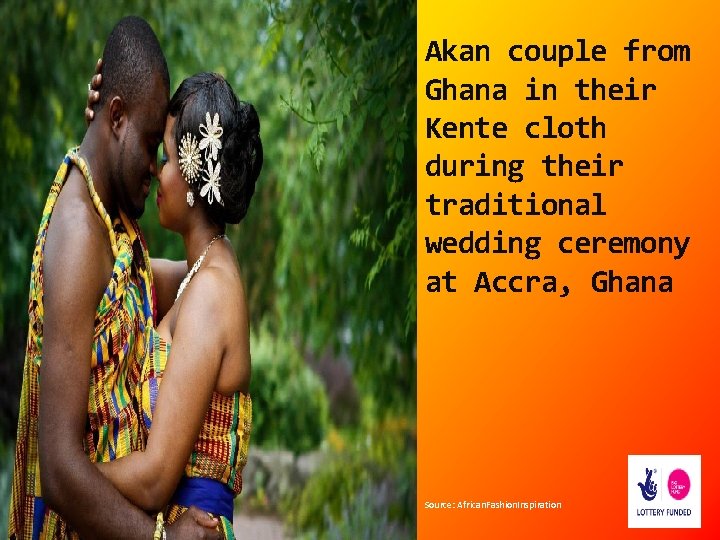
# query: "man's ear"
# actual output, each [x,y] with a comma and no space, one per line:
[118,116]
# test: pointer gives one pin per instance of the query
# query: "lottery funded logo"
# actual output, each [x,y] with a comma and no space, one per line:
[678,484]
[648,488]
[664,491]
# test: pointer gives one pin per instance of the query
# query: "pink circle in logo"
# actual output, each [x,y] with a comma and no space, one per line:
[678,484]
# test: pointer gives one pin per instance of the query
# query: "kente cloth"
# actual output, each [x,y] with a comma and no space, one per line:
[220,451]
[122,316]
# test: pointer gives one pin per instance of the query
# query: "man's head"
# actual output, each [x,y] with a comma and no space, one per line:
[133,102]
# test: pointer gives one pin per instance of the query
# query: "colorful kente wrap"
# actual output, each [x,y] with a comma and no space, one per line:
[125,311]
[221,450]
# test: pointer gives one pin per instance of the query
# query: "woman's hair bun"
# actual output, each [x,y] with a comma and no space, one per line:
[241,155]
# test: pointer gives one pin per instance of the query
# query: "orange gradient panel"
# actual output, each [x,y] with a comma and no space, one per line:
[535,397]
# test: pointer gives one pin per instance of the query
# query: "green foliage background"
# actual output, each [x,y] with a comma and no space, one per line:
[290,408]
[328,247]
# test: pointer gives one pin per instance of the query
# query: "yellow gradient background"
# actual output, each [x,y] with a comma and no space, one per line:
[533,397]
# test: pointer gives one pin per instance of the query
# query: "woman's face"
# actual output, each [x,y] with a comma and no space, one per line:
[172,191]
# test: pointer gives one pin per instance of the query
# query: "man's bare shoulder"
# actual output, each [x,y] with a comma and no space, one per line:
[77,253]
[74,208]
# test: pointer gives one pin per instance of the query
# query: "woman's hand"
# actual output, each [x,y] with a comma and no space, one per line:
[93,92]
[194,523]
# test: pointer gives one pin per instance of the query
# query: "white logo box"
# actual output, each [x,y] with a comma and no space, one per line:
[664,511]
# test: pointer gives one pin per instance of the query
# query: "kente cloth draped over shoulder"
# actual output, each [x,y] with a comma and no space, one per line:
[114,363]
[213,474]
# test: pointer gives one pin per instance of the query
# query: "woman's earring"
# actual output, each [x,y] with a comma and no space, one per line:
[190,198]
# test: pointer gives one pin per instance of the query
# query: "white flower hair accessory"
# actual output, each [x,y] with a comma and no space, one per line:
[211,189]
[189,157]
[211,132]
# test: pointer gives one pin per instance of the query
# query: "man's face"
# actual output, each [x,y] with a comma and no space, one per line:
[137,162]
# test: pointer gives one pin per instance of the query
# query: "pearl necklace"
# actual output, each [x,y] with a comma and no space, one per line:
[196,267]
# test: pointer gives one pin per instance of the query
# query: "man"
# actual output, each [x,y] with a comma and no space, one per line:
[92,290]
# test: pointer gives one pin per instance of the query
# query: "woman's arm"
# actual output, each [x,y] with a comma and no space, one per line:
[167,276]
[149,478]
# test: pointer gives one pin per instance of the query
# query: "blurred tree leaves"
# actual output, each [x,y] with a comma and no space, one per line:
[346,253]
[328,247]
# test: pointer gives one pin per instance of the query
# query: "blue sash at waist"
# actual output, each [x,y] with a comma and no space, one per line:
[207,494]
[38,517]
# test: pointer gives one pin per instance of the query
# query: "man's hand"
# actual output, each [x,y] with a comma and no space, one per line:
[194,524]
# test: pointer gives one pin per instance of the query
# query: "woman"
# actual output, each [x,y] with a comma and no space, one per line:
[200,350]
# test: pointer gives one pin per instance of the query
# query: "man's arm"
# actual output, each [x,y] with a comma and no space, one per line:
[76,268]
[167,276]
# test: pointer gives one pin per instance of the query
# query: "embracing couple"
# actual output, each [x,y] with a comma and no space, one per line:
[135,414]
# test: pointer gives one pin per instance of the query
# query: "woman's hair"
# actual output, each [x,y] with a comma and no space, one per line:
[240,157]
